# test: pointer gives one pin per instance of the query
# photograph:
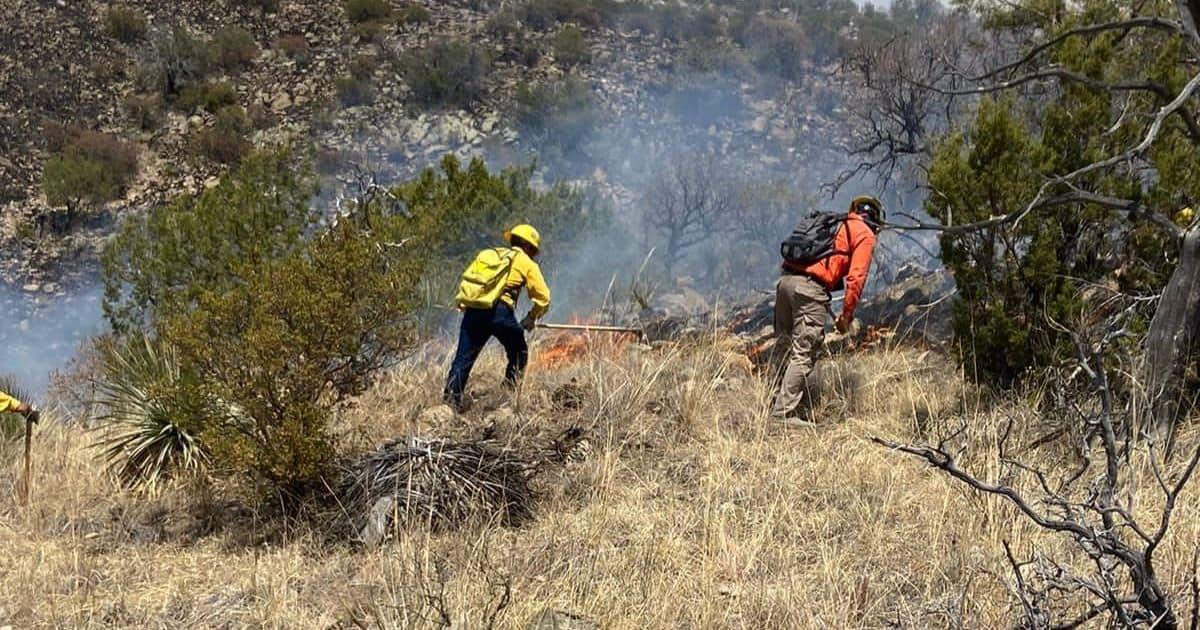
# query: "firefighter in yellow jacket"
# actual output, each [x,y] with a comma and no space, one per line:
[481,322]
[8,404]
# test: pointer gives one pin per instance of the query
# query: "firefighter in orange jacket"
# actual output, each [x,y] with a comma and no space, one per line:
[802,299]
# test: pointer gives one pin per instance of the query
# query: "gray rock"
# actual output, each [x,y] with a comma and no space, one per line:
[559,620]
[379,519]
[281,102]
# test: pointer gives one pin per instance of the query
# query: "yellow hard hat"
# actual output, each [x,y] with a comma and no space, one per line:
[526,233]
[1185,216]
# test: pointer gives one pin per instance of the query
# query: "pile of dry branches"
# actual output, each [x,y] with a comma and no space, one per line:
[437,483]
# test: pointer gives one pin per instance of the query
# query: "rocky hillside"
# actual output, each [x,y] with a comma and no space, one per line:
[596,91]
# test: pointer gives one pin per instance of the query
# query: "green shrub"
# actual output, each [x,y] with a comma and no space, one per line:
[518,47]
[1016,281]
[824,30]
[358,87]
[145,111]
[559,114]
[777,46]
[415,14]
[261,116]
[277,318]
[94,168]
[296,48]
[353,91]
[226,140]
[363,66]
[176,61]
[715,57]
[359,11]
[211,97]
[502,25]
[526,52]
[446,72]
[570,47]
[233,48]
[673,22]
[125,24]
[543,14]
[266,6]
[456,210]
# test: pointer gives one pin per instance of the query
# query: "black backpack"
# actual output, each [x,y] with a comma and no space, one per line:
[814,239]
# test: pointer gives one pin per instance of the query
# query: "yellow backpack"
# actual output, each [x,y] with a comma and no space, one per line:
[485,278]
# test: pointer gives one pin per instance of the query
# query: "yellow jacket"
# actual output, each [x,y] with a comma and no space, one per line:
[526,273]
[8,403]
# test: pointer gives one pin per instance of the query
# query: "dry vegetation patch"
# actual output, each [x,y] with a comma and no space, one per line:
[674,506]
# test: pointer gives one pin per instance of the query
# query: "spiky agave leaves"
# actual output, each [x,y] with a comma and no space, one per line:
[152,412]
[439,483]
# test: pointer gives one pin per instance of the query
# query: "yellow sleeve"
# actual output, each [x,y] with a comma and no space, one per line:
[8,403]
[535,286]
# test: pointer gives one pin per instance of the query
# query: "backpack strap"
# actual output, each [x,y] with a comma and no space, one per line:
[511,257]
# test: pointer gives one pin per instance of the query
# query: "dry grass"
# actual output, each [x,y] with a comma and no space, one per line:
[683,509]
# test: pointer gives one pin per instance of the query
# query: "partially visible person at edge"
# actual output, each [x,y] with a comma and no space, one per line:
[8,404]
[500,321]
[802,300]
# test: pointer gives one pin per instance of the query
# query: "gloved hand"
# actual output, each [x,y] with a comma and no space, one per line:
[33,416]
[529,323]
[843,324]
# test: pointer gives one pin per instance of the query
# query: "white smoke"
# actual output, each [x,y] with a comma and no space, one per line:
[41,332]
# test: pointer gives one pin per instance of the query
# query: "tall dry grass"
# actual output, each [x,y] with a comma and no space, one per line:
[683,509]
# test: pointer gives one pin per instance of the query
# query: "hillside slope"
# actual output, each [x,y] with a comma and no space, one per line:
[682,508]
[309,72]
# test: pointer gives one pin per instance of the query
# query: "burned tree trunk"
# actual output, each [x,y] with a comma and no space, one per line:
[1172,336]
[1189,15]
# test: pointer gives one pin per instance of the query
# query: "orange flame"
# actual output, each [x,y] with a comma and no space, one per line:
[568,347]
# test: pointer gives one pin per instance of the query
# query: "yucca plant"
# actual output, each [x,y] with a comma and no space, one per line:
[152,411]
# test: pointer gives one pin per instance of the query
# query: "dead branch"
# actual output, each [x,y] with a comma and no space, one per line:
[1151,22]
[1094,521]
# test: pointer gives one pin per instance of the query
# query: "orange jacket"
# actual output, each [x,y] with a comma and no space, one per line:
[851,261]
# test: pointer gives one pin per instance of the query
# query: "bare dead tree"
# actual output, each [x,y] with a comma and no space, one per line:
[1090,505]
[367,197]
[687,202]
[895,116]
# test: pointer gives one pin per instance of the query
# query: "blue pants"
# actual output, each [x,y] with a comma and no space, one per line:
[479,325]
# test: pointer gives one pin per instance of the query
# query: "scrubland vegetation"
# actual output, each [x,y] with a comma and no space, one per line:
[681,508]
[270,329]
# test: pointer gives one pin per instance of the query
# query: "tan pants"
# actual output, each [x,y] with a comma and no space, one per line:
[801,307]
